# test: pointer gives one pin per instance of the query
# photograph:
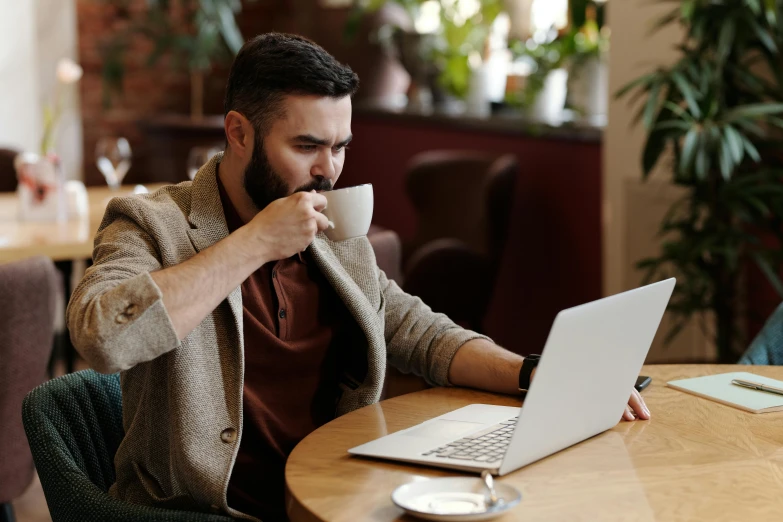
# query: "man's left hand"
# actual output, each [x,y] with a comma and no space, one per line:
[636,408]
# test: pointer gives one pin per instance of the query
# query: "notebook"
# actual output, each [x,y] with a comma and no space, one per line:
[718,388]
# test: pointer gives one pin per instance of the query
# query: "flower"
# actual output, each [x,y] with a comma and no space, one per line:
[68,71]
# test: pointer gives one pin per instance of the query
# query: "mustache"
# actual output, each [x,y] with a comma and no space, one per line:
[318,184]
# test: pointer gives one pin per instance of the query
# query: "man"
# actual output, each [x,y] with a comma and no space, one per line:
[237,325]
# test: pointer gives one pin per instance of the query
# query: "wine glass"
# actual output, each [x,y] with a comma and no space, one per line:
[113,157]
[198,156]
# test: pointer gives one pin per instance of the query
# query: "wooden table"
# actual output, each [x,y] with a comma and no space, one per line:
[60,241]
[695,460]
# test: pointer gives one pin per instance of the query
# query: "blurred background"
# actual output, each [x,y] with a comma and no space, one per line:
[526,155]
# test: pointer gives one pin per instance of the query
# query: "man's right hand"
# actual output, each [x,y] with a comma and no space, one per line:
[288,225]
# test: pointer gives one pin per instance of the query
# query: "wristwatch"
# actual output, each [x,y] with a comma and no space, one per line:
[528,365]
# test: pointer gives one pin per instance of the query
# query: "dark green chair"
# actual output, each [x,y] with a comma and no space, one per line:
[74,426]
[767,347]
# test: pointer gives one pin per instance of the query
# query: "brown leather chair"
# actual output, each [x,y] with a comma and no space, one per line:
[387,247]
[463,203]
[388,254]
[7,171]
[28,290]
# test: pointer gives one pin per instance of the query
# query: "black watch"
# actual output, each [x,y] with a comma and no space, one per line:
[528,365]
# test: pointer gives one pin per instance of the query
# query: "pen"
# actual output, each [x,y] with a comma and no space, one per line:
[757,386]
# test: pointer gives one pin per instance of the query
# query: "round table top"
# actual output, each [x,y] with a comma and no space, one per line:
[694,460]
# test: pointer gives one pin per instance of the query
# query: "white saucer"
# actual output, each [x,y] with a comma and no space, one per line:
[461,499]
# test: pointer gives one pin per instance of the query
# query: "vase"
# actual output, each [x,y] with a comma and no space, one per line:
[550,102]
[40,190]
[588,89]
[414,51]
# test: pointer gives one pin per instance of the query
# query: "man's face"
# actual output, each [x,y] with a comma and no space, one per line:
[304,150]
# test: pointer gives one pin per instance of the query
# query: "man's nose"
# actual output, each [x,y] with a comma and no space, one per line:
[324,166]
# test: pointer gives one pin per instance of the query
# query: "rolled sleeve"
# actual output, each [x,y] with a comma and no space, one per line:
[116,316]
[419,340]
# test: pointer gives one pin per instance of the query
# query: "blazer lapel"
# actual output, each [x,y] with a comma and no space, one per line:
[347,289]
[209,222]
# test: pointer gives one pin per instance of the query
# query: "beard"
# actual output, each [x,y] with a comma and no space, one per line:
[264,185]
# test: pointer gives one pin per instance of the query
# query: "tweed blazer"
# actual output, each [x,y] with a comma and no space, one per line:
[182,398]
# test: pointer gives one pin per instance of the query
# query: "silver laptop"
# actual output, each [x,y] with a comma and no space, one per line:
[589,365]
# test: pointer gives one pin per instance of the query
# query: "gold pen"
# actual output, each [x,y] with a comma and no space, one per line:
[757,386]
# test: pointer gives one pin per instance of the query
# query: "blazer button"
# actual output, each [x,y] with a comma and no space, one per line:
[215,508]
[228,435]
[121,318]
[131,310]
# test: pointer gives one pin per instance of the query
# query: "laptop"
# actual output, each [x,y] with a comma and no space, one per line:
[587,370]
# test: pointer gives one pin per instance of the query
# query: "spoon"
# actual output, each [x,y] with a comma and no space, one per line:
[489,482]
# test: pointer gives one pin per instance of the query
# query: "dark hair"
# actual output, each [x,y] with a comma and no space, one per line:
[273,65]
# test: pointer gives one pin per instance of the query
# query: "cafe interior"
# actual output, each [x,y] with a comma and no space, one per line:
[526,157]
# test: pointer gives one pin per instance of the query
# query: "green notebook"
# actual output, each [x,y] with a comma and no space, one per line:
[719,388]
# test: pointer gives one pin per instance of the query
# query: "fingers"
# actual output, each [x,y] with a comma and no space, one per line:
[628,415]
[321,221]
[318,201]
[638,406]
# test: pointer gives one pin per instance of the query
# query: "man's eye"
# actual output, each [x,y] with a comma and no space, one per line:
[340,148]
[307,148]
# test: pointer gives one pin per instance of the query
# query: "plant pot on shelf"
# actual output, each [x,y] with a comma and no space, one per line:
[384,80]
[588,89]
[550,102]
[414,51]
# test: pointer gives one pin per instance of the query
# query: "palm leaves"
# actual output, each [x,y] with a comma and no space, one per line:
[717,110]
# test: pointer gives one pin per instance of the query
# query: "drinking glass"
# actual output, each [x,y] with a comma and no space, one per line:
[113,157]
[198,157]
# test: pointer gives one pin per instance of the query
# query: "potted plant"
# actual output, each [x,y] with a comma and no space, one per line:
[196,33]
[588,68]
[545,88]
[437,57]
[566,65]
[712,121]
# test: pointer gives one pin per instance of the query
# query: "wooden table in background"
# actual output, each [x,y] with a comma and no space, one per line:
[695,460]
[60,241]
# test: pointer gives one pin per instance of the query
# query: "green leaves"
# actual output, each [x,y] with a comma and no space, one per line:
[753,111]
[689,147]
[228,27]
[458,36]
[196,33]
[726,39]
[719,109]
[688,92]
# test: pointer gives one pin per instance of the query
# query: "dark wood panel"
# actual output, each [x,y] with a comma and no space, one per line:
[553,255]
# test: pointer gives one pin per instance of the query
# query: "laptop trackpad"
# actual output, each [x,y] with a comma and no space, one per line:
[444,429]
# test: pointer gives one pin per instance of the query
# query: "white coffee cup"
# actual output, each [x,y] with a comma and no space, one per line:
[349,211]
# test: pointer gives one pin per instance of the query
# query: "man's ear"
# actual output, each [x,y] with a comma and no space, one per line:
[239,134]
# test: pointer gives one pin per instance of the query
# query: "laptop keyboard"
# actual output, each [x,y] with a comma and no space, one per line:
[488,445]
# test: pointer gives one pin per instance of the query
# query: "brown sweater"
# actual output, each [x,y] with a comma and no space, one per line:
[294,327]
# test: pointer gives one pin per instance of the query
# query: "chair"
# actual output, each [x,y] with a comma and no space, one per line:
[388,254]
[74,426]
[7,170]
[28,292]
[767,347]
[388,251]
[463,203]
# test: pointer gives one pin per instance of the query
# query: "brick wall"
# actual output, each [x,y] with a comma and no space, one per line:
[150,91]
